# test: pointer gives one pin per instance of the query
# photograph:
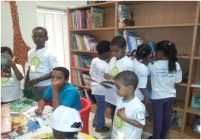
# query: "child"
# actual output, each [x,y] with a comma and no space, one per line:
[129,117]
[120,62]
[60,92]
[140,57]
[40,62]
[97,71]
[66,123]
[165,72]
[11,76]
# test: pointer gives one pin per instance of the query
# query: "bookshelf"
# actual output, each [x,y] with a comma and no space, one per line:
[177,21]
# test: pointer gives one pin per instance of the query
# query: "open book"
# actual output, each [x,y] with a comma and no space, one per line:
[19,106]
[106,84]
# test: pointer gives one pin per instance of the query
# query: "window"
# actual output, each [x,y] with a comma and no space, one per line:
[55,21]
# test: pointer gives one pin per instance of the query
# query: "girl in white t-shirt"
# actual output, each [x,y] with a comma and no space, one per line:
[140,57]
[165,72]
[97,70]
[11,77]
[120,62]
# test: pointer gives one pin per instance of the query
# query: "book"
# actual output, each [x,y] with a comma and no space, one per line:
[22,125]
[195,99]
[81,61]
[106,84]
[97,17]
[5,119]
[5,71]
[123,13]
[132,40]
[18,106]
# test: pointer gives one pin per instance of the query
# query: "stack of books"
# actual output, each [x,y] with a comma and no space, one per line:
[76,77]
[87,19]
[83,42]
[78,19]
[131,39]
[82,61]
[123,13]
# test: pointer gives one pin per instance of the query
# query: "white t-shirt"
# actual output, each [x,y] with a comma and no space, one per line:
[135,110]
[116,66]
[41,62]
[163,82]
[142,73]
[11,88]
[97,71]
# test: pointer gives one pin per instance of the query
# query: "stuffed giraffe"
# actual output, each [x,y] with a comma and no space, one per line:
[20,48]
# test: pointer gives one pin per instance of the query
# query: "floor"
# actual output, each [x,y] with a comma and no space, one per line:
[106,135]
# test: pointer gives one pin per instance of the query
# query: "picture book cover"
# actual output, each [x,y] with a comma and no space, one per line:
[22,125]
[18,106]
[97,15]
[5,71]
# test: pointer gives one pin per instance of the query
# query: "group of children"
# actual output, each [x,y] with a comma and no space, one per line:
[127,98]
[48,82]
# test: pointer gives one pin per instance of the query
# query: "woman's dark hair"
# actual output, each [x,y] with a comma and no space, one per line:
[6,49]
[119,41]
[142,51]
[103,47]
[169,50]
[63,70]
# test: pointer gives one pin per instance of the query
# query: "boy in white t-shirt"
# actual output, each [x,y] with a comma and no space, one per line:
[97,71]
[11,77]
[129,117]
[120,62]
[40,61]
[140,57]
[66,123]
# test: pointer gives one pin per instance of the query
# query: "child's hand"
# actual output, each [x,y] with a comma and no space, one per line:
[38,112]
[146,100]
[121,113]
[11,63]
[57,85]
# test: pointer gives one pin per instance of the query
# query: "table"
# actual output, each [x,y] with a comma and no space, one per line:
[45,131]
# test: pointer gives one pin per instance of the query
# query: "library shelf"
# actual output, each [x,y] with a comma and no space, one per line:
[82,69]
[93,29]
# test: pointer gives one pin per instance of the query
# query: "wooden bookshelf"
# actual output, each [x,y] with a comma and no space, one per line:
[80,86]
[177,21]
[193,111]
[95,29]
[82,69]
[85,52]
[157,26]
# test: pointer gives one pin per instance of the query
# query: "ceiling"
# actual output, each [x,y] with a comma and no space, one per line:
[60,4]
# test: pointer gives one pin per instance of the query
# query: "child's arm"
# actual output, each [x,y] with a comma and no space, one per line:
[108,77]
[41,105]
[17,72]
[36,81]
[56,88]
[121,113]
[144,91]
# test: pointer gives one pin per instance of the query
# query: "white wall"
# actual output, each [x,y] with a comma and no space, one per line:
[27,19]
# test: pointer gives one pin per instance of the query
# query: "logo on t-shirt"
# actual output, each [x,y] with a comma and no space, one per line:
[35,63]
[115,71]
[118,122]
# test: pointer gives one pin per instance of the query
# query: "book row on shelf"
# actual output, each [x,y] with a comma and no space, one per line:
[83,42]
[87,19]
[81,61]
